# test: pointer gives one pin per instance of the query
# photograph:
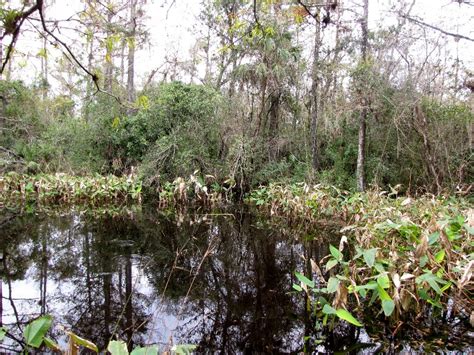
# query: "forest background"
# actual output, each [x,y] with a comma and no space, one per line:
[349,93]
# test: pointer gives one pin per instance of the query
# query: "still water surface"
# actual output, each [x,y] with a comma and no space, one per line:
[218,279]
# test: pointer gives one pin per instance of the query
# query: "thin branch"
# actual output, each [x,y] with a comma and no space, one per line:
[15,33]
[74,59]
[301,3]
[421,23]
[255,14]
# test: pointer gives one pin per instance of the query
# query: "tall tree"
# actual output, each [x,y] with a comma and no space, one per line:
[364,101]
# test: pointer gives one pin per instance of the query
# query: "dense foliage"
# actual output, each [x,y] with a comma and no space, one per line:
[177,129]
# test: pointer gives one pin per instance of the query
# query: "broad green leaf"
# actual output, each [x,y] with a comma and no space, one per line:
[383,281]
[35,331]
[371,285]
[297,287]
[345,315]
[434,286]
[379,267]
[369,256]
[383,295]
[439,257]
[83,342]
[3,332]
[432,280]
[333,284]
[304,280]
[327,309]
[117,347]
[149,350]
[183,349]
[330,264]
[388,306]
[335,253]
[51,344]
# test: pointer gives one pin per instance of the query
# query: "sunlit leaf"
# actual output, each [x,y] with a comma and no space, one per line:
[3,332]
[304,280]
[345,315]
[327,309]
[35,331]
[333,284]
[383,281]
[183,349]
[369,256]
[117,347]
[297,287]
[330,264]
[383,295]
[51,344]
[335,253]
[82,342]
[439,257]
[388,306]
[149,350]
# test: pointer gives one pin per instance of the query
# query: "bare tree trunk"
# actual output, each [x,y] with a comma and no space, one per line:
[44,71]
[421,127]
[131,52]
[363,114]
[1,57]
[122,62]
[315,95]
[109,57]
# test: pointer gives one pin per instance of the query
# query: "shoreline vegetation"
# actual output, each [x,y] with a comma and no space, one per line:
[402,255]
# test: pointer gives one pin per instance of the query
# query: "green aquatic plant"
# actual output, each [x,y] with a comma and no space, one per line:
[66,189]
[35,337]
[398,255]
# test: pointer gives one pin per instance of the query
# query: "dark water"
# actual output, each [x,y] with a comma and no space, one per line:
[219,279]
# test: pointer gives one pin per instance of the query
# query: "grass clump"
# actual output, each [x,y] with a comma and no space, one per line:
[406,258]
[66,189]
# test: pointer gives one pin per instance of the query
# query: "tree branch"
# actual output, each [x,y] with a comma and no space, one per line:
[255,14]
[421,23]
[18,22]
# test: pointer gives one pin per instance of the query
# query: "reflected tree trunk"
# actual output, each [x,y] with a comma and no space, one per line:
[107,280]
[128,298]
[43,273]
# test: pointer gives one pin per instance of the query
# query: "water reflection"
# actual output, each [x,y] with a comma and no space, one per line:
[217,280]
[221,280]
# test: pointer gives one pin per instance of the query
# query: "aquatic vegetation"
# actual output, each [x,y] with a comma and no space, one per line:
[407,257]
[35,337]
[66,189]
[195,189]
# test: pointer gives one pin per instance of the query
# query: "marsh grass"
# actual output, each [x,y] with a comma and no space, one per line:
[68,190]
[407,258]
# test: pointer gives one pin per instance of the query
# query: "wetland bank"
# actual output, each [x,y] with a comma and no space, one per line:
[236,176]
[291,270]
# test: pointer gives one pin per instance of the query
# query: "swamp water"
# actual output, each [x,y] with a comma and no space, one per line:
[221,280]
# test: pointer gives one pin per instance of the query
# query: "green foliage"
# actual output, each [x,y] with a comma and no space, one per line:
[35,331]
[183,129]
[61,188]
[404,254]
[35,336]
